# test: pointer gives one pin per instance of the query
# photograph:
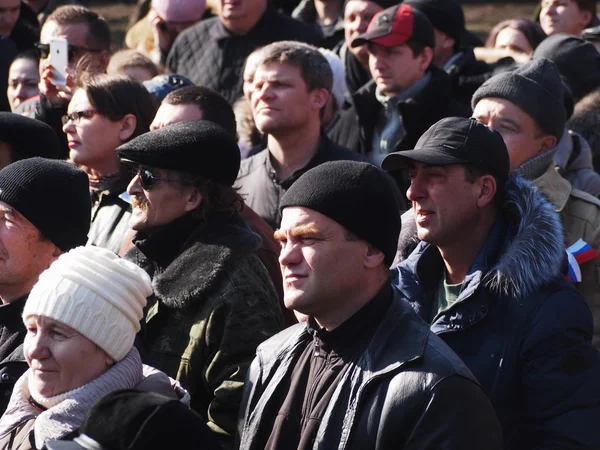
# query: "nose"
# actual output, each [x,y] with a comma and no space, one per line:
[264,93]
[415,190]
[134,187]
[69,127]
[362,24]
[290,254]
[36,347]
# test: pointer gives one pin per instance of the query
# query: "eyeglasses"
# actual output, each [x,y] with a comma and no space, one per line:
[43,50]
[147,178]
[76,116]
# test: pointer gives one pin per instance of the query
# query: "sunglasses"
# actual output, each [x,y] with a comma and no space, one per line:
[43,50]
[147,178]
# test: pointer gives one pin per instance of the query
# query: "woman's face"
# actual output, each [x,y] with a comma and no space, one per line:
[60,358]
[92,138]
[23,80]
[514,40]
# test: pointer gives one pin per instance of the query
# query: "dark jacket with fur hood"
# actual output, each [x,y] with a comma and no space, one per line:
[520,327]
[213,304]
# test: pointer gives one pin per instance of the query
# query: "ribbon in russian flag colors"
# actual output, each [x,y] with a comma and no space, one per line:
[578,253]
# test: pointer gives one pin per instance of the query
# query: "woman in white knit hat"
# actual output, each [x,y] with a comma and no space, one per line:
[81,318]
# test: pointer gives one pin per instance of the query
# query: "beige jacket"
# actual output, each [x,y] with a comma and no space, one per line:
[580,217]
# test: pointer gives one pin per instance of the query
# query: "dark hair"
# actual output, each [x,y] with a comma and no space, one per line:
[216,197]
[531,30]
[213,105]
[585,120]
[472,174]
[314,67]
[587,5]
[115,96]
[416,47]
[98,34]
[30,55]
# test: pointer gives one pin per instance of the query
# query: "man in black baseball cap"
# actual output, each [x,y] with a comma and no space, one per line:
[488,278]
[407,95]
[213,300]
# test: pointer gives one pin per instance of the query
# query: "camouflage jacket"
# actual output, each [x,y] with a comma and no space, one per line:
[213,304]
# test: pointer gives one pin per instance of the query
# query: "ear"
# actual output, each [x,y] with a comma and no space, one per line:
[319,98]
[425,59]
[585,17]
[194,199]
[547,142]
[373,257]
[103,59]
[487,189]
[128,124]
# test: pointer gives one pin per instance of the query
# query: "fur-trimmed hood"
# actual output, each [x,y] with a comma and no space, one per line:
[205,258]
[525,246]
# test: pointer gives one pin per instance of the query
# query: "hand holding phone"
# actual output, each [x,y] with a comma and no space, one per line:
[59,59]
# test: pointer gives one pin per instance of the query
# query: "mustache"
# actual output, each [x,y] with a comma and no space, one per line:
[139,204]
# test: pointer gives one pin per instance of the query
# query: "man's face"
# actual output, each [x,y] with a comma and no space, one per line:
[522,136]
[395,69]
[320,267]
[23,80]
[170,114]
[281,100]
[23,255]
[563,16]
[164,202]
[232,10]
[9,15]
[444,203]
[357,16]
[76,35]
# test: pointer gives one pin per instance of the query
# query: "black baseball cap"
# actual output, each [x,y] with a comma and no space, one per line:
[456,140]
[135,420]
[397,25]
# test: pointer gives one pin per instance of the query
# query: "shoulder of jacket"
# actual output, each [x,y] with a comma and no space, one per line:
[251,164]
[583,206]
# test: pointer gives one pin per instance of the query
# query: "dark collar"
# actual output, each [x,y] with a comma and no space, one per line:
[322,155]
[11,312]
[355,332]
[163,245]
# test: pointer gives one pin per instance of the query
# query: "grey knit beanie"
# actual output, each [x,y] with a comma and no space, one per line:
[536,88]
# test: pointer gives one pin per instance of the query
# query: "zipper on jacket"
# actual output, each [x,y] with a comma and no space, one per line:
[308,400]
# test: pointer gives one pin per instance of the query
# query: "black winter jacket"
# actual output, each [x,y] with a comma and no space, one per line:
[262,191]
[522,329]
[210,55]
[405,390]
[356,126]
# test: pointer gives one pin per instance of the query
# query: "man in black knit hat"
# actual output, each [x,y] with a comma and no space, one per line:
[364,371]
[44,211]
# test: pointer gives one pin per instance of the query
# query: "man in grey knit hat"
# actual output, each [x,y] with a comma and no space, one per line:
[526,107]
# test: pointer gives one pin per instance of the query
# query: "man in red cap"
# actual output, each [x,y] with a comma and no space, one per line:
[407,94]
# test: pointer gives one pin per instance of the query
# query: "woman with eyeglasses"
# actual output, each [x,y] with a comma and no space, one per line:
[105,112]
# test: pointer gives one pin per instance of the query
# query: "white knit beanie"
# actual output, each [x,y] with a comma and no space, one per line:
[98,294]
[338,90]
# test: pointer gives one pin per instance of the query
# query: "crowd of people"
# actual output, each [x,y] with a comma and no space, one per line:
[309,224]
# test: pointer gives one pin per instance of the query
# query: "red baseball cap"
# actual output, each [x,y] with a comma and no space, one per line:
[395,26]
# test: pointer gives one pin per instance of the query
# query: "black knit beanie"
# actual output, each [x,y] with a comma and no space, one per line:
[536,88]
[445,15]
[53,195]
[357,195]
[577,61]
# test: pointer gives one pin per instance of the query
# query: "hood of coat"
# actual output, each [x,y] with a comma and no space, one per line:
[572,153]
[205,257]
[531,253]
